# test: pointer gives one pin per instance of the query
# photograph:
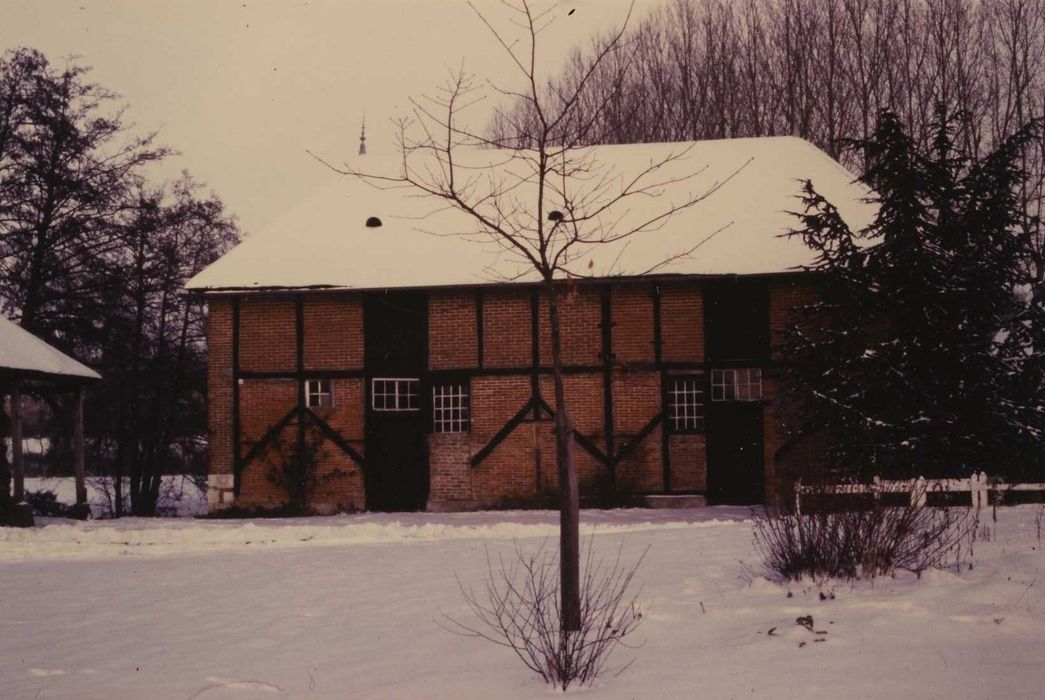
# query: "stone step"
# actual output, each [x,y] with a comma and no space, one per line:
[675,501]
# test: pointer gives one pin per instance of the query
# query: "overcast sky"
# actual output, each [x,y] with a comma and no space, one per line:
[242,89]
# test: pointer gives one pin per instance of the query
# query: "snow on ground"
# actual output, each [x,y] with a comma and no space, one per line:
[348,607]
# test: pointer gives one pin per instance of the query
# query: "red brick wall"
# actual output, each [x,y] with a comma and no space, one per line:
[333,332]
[508,471]
[584,401]
[682,322]
[688,453]
[262,404]
[506,328]
[219,384]
[631,308]
[637,400]
[580,318]
[339,479]
[452,338]
[267,336]
[333,341]
[785,296]
[451,476]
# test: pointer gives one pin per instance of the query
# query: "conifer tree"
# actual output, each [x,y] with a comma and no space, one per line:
[923,356]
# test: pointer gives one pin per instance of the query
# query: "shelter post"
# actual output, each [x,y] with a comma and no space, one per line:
[78,468]
[17,466]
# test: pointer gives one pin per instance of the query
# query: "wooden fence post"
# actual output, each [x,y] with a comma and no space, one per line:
[918,492]
[978,489]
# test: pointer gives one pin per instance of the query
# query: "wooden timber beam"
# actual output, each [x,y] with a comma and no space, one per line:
[503,433]
[266,440]
[335,437]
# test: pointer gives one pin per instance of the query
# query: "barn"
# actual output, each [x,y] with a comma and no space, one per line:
[413,356]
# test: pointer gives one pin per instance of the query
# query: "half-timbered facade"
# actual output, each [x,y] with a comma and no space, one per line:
[425,388]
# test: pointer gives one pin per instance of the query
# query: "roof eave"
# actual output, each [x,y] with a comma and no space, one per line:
[659,277]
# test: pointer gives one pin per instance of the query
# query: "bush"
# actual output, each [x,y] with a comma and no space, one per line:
[45,503]
[873,540]
[294,466]
[519,608]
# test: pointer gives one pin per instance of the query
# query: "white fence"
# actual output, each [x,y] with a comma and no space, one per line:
[977,486]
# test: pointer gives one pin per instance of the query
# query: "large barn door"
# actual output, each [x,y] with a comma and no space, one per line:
[395,327]
[736,317]
[735,456]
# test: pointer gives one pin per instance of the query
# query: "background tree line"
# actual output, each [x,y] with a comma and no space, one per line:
[93,258]
[819,69]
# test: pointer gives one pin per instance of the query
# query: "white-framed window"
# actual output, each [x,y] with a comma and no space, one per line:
[450,408]
[317,393]
[686,402]
[743,384]
[395,394]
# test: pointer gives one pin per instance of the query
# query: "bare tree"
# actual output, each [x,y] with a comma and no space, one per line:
[93,259]
[546,202]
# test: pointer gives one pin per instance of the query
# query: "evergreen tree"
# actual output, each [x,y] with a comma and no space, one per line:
[923,356]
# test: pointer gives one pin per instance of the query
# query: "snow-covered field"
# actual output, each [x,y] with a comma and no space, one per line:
[348,606]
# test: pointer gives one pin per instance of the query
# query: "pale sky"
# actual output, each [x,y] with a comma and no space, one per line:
[243,89]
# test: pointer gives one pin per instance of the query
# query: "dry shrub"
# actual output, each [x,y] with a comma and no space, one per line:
[518,607]
[876,539]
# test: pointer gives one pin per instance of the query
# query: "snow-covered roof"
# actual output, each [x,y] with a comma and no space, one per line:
[21,351]
[325,242]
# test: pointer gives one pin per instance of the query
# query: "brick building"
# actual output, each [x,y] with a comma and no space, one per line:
[423,383]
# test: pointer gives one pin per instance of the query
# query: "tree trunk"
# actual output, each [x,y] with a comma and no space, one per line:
[569,509]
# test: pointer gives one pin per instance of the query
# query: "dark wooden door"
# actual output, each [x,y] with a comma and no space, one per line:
[736,330]
[395,327]
[397,462]
[736,462]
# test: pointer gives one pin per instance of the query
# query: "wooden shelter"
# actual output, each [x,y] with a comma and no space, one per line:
[26,361]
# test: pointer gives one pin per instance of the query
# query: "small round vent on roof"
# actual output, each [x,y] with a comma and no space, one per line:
[555,215]
[373,222]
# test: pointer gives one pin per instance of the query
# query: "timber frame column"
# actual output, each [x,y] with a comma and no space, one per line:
[17,465]
[658,359]
[535,386]
[606,325]
[237,459]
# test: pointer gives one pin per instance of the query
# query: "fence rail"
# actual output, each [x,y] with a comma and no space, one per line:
[977,486]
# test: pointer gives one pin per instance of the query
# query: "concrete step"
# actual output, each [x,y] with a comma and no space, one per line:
[675,501]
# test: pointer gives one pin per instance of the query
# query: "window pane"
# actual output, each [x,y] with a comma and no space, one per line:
[450,408]
[685,402]
[317,392]
[394,394]
[744,384]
